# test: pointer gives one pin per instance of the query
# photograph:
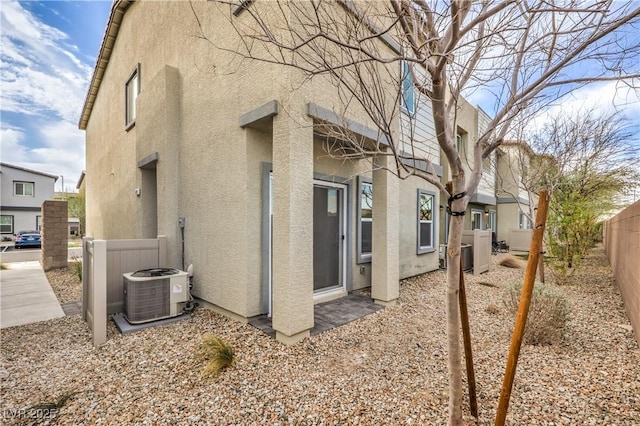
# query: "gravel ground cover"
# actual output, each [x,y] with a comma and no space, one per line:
[65,283]
[386,368]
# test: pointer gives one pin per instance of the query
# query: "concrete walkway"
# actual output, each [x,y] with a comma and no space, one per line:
[26,296]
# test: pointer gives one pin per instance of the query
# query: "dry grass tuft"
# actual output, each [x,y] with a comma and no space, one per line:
[511,262]
[218,354]
[492,309]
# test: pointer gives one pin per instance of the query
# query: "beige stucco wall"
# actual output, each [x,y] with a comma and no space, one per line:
[412,263]
[209,170]
[508,216]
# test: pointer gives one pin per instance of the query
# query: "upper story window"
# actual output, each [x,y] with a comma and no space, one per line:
[26,189]
[132,89]
[408,101]
[365,221]
[426,222]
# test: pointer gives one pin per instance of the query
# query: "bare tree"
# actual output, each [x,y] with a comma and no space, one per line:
[525,54]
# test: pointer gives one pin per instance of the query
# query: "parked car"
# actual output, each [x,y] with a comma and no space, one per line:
[28,239]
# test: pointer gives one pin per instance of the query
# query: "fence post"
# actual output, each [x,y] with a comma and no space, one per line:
[99,301]
[86,270]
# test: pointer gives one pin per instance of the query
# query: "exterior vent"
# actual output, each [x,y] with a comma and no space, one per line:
[153,294]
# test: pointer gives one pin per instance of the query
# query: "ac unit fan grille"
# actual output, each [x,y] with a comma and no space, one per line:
[146,300]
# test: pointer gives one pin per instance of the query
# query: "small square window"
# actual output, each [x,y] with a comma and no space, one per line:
[132,89]
[26,189]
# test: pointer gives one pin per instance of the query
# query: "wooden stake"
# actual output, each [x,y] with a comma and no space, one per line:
[468,355]
[523,308]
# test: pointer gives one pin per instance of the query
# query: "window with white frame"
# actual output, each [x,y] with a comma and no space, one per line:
[476,219]
[132,89]
[6,224]
[39,222]
[408,101]
[426,221]
[525,222]
[365,218]
[26,189]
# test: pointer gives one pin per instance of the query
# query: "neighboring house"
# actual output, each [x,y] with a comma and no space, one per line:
[481,212]
[273,223]
[23,192]
[516,200]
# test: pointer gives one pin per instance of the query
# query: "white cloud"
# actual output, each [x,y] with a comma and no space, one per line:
[40,72]
[604,98]
[44,79]
[10,145]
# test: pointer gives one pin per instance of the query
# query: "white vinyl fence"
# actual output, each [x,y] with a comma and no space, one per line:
[520,239]
[481,243]
[103,263]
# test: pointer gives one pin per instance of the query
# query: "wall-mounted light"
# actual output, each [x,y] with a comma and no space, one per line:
[137,192]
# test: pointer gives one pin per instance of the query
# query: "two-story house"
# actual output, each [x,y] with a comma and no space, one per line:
[23,192]
[179,133]
[516,197]
[482,212]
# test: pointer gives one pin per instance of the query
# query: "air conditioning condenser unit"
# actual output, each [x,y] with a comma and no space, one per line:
[153,294]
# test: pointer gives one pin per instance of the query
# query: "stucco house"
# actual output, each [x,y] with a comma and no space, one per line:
[23,192]
[516,199]
[273,223]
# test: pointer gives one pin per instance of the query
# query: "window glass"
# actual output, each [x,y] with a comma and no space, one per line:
[525,222]
[132,91]
[366,218]
[23,188]
[407,89]
[6,224]
[476,219]
[425,221]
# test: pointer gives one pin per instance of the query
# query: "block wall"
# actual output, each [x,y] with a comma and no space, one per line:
[55,234]
[622,244]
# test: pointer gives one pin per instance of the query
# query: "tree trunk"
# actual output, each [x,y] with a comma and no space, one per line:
[453,314]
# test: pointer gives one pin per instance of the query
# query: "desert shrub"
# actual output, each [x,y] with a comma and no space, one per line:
[511,262]
[548,313]
[218,354]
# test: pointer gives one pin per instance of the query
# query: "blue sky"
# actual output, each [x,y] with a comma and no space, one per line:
[48,51]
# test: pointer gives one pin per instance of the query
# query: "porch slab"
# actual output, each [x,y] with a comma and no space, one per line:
[328,315]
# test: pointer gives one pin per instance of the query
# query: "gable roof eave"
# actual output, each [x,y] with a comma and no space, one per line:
[118,9]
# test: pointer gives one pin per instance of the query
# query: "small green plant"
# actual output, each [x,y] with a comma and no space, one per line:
[218,354]
[3,266]
[548,313]
[76,266]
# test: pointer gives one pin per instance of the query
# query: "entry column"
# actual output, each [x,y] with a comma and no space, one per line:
[385,272]
[292,253]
